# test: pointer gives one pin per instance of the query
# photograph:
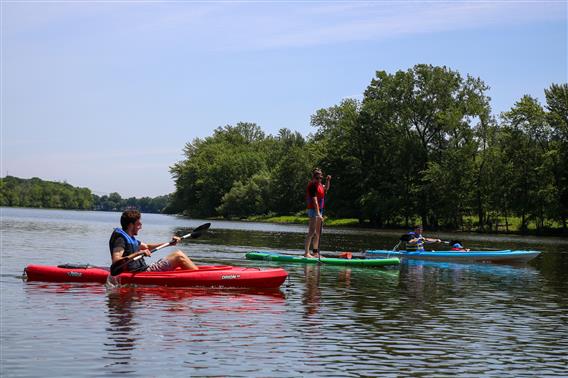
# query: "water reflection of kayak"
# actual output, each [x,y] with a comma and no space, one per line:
[173,294]
[504,256]
[223,276]
[180,294]
[368,262]
[488,269]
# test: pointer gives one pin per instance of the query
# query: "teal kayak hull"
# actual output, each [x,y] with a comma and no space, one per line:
[504,256]
[368,262]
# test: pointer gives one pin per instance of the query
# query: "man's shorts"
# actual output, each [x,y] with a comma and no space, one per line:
[312,213]
[162,265]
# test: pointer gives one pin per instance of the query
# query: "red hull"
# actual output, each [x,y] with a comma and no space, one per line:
[219,276]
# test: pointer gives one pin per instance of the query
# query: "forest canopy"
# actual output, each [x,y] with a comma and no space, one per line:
[422,145]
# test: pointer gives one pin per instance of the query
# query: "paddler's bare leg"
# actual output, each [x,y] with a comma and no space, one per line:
[179,259]
[317,233]
[311,234]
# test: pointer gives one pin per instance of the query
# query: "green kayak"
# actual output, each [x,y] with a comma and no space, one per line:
[270,256]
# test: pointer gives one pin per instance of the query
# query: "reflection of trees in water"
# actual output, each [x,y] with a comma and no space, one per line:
[121,332]
[426,284]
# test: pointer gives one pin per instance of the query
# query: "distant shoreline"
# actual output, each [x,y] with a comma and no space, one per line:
[335,223]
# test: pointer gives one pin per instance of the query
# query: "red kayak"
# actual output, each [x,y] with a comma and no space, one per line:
[214,275]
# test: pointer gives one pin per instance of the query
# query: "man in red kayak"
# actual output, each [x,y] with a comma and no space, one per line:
[315,194]
[123,244]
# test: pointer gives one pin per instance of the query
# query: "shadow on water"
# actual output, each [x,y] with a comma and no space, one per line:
[426,281]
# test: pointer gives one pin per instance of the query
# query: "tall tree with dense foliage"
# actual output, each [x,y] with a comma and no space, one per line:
[290,163]
[525,141]
[339,151]
[240,171]
[557,116]
[214,164]
[410,146]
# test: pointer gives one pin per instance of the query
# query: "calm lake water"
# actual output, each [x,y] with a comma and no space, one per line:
[424,319]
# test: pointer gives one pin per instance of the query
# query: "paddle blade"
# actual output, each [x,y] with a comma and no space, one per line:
[195,235]
[203,227]
[197,232]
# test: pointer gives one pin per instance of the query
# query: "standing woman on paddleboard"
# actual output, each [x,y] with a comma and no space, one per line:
[124,248]
[315,194]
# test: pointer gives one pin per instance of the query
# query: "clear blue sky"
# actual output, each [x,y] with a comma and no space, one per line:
[104,94]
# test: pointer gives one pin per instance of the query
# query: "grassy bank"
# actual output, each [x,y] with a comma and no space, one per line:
[512,225]
[329,222]
[497,226]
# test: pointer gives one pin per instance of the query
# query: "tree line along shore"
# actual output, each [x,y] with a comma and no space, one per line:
[422,146]
[38,193]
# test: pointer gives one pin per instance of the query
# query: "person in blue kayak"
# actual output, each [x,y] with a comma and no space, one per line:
[456,245]
[124,246]
[315,194]
[415,241]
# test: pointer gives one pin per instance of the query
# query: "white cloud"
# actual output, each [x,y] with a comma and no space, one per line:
[270,25]
[371,22]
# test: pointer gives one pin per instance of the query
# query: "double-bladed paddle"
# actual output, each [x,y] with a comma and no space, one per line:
[116,267]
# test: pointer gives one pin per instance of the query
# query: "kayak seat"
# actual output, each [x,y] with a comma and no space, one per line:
[75,266]
[346,255]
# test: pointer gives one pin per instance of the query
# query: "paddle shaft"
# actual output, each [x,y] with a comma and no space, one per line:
[161,246]
[319,240]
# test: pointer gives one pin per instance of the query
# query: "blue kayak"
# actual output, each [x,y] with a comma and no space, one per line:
[504,256]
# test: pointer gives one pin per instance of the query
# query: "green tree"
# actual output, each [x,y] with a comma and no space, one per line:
[339,152]
[213,165]
[38,193]
[525,143]
[245,199]
[557,116]
[292,162]
[397,151]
